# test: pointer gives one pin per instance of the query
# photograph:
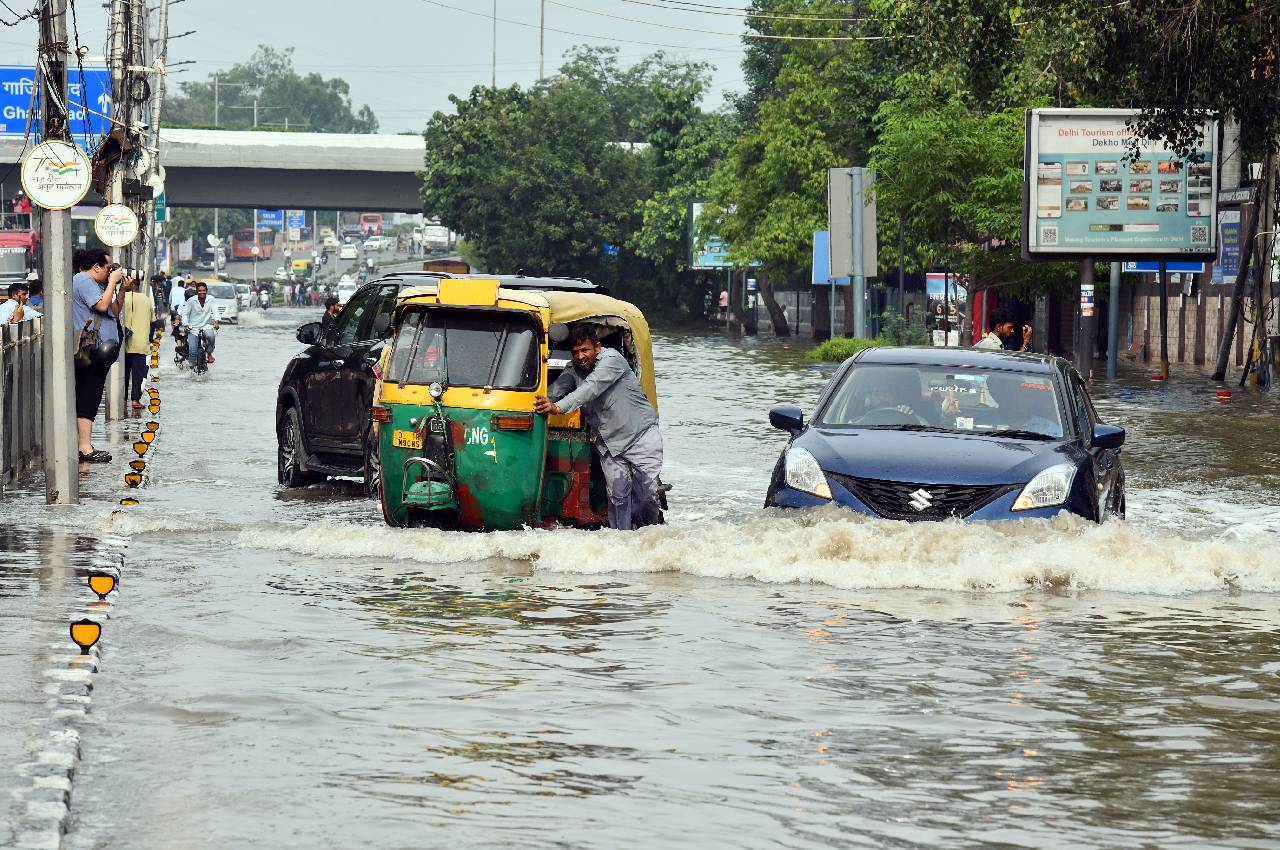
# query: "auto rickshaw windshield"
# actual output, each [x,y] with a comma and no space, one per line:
[465,349]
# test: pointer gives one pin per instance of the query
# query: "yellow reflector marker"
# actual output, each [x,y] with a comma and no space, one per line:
[137,465]
[153,426]
[141,448]
[154,407]
[102,584]
[128,501]
[85,634]
[148,437]
[133,479]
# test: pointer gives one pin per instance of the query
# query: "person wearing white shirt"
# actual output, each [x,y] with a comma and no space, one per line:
[16,309]
[199,315]
[177,295]
[1000,326]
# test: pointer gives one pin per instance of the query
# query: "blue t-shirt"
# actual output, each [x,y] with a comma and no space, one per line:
[85,292]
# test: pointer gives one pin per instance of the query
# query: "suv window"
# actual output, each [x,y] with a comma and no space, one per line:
[347,328]
[1082,408]
[381,314]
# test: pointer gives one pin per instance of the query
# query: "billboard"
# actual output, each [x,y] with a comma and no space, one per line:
[271,218]
[1086,194]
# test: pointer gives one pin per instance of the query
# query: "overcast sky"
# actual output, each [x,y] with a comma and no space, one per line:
[405,57]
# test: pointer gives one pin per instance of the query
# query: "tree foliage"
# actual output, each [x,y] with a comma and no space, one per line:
[284,99]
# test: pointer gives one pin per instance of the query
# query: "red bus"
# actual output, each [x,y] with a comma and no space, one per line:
[243,240]
[370,224]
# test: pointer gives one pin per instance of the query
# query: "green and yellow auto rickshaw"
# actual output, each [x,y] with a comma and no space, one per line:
[459,443]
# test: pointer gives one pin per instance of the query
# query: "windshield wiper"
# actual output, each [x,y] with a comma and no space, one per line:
[1018,434]
[909,428]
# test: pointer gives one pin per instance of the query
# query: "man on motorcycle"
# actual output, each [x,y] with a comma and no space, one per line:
[199,315]
[264,296]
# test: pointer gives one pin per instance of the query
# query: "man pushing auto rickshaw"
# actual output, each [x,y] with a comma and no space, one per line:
[623,421]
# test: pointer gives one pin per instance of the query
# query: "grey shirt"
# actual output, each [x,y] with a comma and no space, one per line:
[611,398]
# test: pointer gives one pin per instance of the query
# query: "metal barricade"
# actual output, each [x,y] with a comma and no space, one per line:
[21,400]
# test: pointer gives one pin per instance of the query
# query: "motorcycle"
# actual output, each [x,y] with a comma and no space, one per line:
[264,299]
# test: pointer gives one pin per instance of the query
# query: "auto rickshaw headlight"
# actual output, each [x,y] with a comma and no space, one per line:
[436,390]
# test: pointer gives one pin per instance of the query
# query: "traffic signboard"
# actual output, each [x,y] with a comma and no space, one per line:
[1152,267]
[18,82]
[297,218]
[270,218]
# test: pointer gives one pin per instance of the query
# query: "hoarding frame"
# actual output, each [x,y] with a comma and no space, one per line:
[1031,152]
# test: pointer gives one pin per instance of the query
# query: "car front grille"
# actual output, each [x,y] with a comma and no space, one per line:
[901,500]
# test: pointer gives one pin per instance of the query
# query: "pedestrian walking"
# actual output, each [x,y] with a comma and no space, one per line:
[95,308]
[139,316]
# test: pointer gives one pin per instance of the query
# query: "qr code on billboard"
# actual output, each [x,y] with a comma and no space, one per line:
[1048,236]
[1200,233]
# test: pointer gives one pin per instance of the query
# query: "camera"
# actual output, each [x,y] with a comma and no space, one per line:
[137,274]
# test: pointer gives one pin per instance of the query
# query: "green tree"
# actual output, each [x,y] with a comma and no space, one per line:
[284,99]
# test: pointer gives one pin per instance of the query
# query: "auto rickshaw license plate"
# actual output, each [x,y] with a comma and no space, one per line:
[407,439]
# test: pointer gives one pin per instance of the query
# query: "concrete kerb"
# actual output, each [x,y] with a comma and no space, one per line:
[44,800]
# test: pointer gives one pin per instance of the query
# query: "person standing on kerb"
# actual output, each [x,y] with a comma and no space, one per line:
[623,422]
[96,299]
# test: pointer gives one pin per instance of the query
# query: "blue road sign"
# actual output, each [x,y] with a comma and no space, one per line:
[297,218]
[17,84]
[1152,267]
[822,260]
[270,218]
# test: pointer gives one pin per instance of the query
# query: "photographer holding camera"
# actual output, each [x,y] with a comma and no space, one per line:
[96,299]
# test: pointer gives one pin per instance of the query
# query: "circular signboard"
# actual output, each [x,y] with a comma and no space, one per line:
[56,175]
[116,225]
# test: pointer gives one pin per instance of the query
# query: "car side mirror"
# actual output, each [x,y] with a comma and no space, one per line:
[787,417]
[309,334]
[1107,436]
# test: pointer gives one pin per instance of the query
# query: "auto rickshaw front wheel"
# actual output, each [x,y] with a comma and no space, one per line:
[372,465]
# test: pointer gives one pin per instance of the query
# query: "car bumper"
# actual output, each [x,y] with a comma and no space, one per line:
[998,509]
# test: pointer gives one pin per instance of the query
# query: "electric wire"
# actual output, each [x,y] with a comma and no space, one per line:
[706,9]
[751,35]
[488,16]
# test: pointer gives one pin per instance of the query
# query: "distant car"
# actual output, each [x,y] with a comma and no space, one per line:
[936,433]
[227,300]
[282,273]
[348,252]
[330,241]
[245,292]
[373,243]
[345,290]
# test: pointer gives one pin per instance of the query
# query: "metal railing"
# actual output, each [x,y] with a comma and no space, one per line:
[21,399]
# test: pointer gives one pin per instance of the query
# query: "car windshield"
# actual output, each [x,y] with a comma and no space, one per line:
[465,350]
[936,398]
[222,291]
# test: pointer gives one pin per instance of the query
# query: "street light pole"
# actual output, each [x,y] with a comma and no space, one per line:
[542,41]
[494,79]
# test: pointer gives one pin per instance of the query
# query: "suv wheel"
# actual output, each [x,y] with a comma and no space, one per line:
[289,452]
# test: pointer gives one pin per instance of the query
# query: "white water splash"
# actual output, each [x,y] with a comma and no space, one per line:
[835,548]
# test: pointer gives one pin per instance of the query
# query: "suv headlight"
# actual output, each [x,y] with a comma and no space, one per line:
[803,473]
[1048,489]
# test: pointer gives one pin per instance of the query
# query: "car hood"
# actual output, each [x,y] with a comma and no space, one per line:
[931,458]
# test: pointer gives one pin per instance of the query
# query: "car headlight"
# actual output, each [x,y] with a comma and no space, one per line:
[1048,489]
[803,473]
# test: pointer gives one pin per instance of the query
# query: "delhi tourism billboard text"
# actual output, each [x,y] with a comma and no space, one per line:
[1087,194]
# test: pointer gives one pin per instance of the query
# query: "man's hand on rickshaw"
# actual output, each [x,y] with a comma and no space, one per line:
[542,404]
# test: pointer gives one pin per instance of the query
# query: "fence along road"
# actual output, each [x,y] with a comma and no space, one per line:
[21,399]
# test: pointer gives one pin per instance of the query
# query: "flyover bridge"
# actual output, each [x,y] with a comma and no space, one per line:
[240,168]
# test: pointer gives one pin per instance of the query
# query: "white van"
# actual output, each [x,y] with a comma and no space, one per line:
[227,300]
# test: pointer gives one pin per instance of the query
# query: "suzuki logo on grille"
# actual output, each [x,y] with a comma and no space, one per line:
[921,500]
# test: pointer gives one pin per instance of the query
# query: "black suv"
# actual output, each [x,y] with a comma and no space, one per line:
[325,395]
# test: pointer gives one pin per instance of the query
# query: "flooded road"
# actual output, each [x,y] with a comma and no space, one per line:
[283,670]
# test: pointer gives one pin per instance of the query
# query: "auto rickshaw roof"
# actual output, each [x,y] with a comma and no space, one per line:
[572,307]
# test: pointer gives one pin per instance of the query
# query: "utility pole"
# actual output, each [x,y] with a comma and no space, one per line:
[61,477]
[122,113]
[542,41]
[150,227]
[215,100]
[494,80]
[1113,324]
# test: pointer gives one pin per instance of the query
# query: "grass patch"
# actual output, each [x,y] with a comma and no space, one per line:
[841,348]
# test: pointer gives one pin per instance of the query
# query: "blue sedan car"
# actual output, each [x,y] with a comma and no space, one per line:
[933,433]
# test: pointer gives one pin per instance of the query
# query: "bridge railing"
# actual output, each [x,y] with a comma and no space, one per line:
[21,399]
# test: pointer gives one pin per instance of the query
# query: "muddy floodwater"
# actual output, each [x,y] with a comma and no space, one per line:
[284,671]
